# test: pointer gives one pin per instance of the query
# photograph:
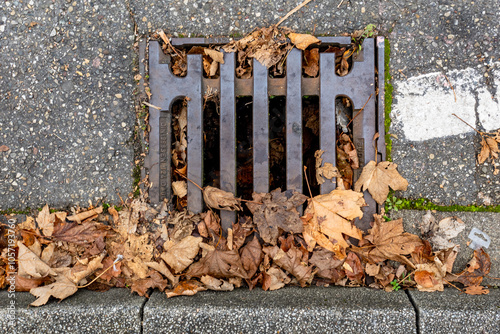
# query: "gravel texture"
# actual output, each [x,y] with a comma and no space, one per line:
[288,310]
[455,313]
[67,115]
[488,222]
[113,311]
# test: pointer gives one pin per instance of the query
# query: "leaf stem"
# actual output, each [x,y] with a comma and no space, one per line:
[473,128]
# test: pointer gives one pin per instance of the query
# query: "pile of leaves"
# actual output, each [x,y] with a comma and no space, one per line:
[181,253]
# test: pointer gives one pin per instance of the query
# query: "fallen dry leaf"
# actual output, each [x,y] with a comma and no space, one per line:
[278,211]
[328,170]
[274,279]
[302,41]
[251,256]
[179,188]
[155,280]
[78,233]
[26,284]
[162,269]
[476,290]
[311,58]
[84,215]
[220,199]
[216,284]
[478,267]
[61,288]
[185,288]
[215,55]
[291,261]
[353,268]
[30,265]
[179,255]
[348,147]
[78,273]
[4,148]
[45,221]
[440,233]
[429,277]
[220,264]
[330,215]
[377,178]
[390,241]
[327,265]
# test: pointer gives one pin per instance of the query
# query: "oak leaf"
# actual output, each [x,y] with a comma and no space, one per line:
[328,217]
[277,211]
[377,178]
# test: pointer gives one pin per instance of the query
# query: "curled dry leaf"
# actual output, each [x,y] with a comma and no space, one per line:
[216,284]
[311,67]
[274,279]
[328,217]
[377,178]
[328,170]
[220,199]
[155,280]
[162,269]
[79,217]
[440,233]
[278,211]
[185,288]
[179,188]
[251,256]
[348,147]
[291,261]
[302,41]
[215,55]
[429,277]
[327,265]
[181,254]
[45,221]
[353,268]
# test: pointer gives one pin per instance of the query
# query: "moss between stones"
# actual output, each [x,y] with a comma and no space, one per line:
[388,99]
[426,204]
[136,174]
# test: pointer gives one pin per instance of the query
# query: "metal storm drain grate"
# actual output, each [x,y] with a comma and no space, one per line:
[367,72]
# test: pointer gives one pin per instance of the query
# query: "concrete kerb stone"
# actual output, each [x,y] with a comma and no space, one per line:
[288,310]
[113,311]
[454,312]
[488,222]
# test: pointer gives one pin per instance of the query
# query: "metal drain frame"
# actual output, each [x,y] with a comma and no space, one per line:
[367,72]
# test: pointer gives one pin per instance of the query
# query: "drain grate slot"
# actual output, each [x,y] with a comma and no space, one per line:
[360,86]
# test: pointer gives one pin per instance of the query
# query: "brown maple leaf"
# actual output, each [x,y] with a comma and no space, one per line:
[61,288]
[278,211]
[251,256]
[274,278]
[218,263]
[83,233]
[377,178]
[478,267]
[328,266]
[155,280]
[328,217]
[291,261]
[389,242]
[179,255]
[30,265]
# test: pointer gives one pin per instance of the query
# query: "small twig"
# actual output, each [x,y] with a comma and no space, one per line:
[184,176]
[401,71]
[492,277]
[151,106]
[292,12]
[307,181]
[402,280]
[453,285]
[473,128]
[451,86]
[167,41]
[118,259]
[360,110]
[340,4]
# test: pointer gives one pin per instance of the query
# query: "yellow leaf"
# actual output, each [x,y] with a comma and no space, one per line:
[302,41]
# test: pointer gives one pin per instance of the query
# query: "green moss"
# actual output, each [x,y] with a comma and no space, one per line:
[136,174]
[388,99]
[15,212]
[426,204]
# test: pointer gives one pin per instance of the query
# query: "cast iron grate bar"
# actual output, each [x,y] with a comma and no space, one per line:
[365,79]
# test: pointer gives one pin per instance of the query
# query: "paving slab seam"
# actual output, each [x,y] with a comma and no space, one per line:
[417,311]
[141,315]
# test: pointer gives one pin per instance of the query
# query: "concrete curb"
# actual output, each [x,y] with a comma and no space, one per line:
[289,310]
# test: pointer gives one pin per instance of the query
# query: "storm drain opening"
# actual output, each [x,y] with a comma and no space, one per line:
[252,129]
